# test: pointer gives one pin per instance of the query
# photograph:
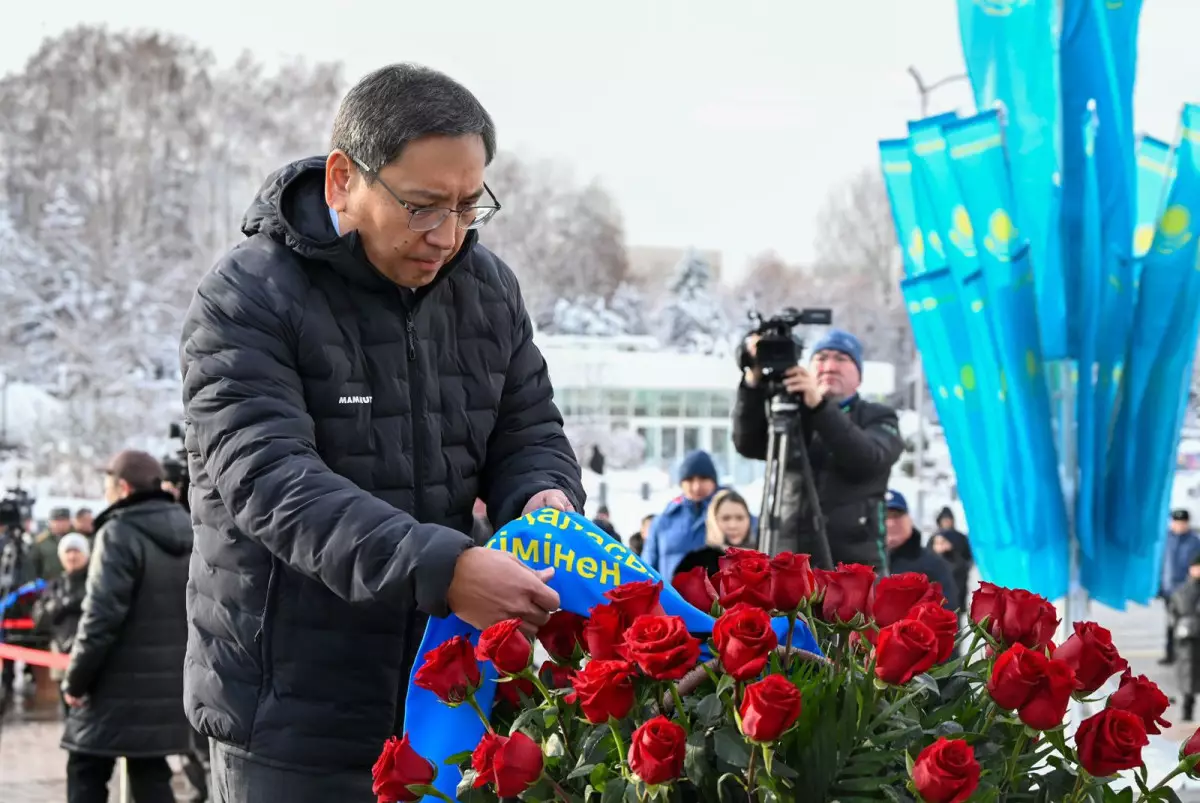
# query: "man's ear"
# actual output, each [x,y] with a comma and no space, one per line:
[339,171]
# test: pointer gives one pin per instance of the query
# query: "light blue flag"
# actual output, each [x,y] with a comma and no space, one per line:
[898,180]
[1155,173]
[1090,76]
[1088,288]
[1010,48]
[930,159]
[932,339]
[977,153]
[1169,308]
[587,563]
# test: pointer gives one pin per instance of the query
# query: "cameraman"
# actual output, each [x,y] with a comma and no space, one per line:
[852,445]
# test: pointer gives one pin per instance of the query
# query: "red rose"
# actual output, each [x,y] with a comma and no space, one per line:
[935,594]
[450,671]
[943,623]
[510,692]
[1111,741]
[847,591]
[987,602]
[661,646]
[656,751]
[397,768]
[792,581]
[946,772]
[695,587]
[510,763]
[1038,687]
[746,581]
[483,758]
[1047,705]
[555,676]
[604,689]
[1090,652]
[1015,676]
[733,554]
[1027,619]
[904,650]
[1141,696]
[506,647]
[745,641]
[604,631]
[1192,746]
[561,634]
[896,595]
[636,599]
[769,708]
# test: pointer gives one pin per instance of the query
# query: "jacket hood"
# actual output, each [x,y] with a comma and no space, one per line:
[156,515]
[290,208]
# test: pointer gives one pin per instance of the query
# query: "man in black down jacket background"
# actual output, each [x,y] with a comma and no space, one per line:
[125,679]
[852,445]
[356,373]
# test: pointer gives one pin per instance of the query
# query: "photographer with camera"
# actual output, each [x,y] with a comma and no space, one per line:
[850,445]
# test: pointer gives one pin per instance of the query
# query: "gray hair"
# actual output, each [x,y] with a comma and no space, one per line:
[399,103]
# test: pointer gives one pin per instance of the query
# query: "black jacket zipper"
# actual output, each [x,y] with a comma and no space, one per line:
[414,400]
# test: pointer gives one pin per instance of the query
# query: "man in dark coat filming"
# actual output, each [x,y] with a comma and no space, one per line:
[125,679]
[852,445]
[356,373]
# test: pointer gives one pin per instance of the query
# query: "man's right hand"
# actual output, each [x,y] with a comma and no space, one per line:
[752,375]
[490,586]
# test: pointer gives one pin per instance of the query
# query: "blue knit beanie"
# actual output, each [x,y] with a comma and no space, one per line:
[696,464]
[840,340]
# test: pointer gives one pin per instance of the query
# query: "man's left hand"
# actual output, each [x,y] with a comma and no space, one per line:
[73,701]
[803,383]
[555,499]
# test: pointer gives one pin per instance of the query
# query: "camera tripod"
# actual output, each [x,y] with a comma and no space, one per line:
[783,410]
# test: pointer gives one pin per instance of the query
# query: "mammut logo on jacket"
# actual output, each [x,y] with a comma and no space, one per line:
[354,400]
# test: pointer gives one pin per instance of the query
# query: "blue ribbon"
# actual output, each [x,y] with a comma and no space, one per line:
[587,563]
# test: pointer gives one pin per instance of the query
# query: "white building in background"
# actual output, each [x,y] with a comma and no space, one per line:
[675,402]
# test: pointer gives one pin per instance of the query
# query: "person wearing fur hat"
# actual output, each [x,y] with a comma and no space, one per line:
[57,611]
[852,446]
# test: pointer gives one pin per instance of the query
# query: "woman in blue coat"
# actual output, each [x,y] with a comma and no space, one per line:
[680,528]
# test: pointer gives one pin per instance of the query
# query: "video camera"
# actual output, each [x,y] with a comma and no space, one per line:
[175,467]
[16,508]
[779,347]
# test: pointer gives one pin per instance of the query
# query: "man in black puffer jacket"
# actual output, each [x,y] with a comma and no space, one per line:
[356,373]
[852,446]
[125,678]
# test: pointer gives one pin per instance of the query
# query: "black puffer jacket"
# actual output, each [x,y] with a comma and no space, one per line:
[852,448]
[127,659]
[339,429]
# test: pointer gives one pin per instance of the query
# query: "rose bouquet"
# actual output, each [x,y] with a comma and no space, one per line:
[904,706]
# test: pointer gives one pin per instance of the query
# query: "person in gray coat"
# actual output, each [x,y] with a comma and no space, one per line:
[1185,610]
[124,684]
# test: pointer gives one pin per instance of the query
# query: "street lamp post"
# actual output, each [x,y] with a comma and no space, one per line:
[924,90]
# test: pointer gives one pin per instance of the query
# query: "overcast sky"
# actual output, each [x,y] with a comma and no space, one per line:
[712,126]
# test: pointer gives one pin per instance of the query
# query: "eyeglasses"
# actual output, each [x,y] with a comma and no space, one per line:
[428,218]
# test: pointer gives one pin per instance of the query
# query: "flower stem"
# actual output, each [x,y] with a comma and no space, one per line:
[612,726]
[1018,748]
[482,716]
[683,717]
[787,656]
[1078,790]
[1179,770]
[750,768]
[562,726]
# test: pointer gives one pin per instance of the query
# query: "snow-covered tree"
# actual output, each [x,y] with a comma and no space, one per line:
[692,317]
[128,160]
[564,240]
